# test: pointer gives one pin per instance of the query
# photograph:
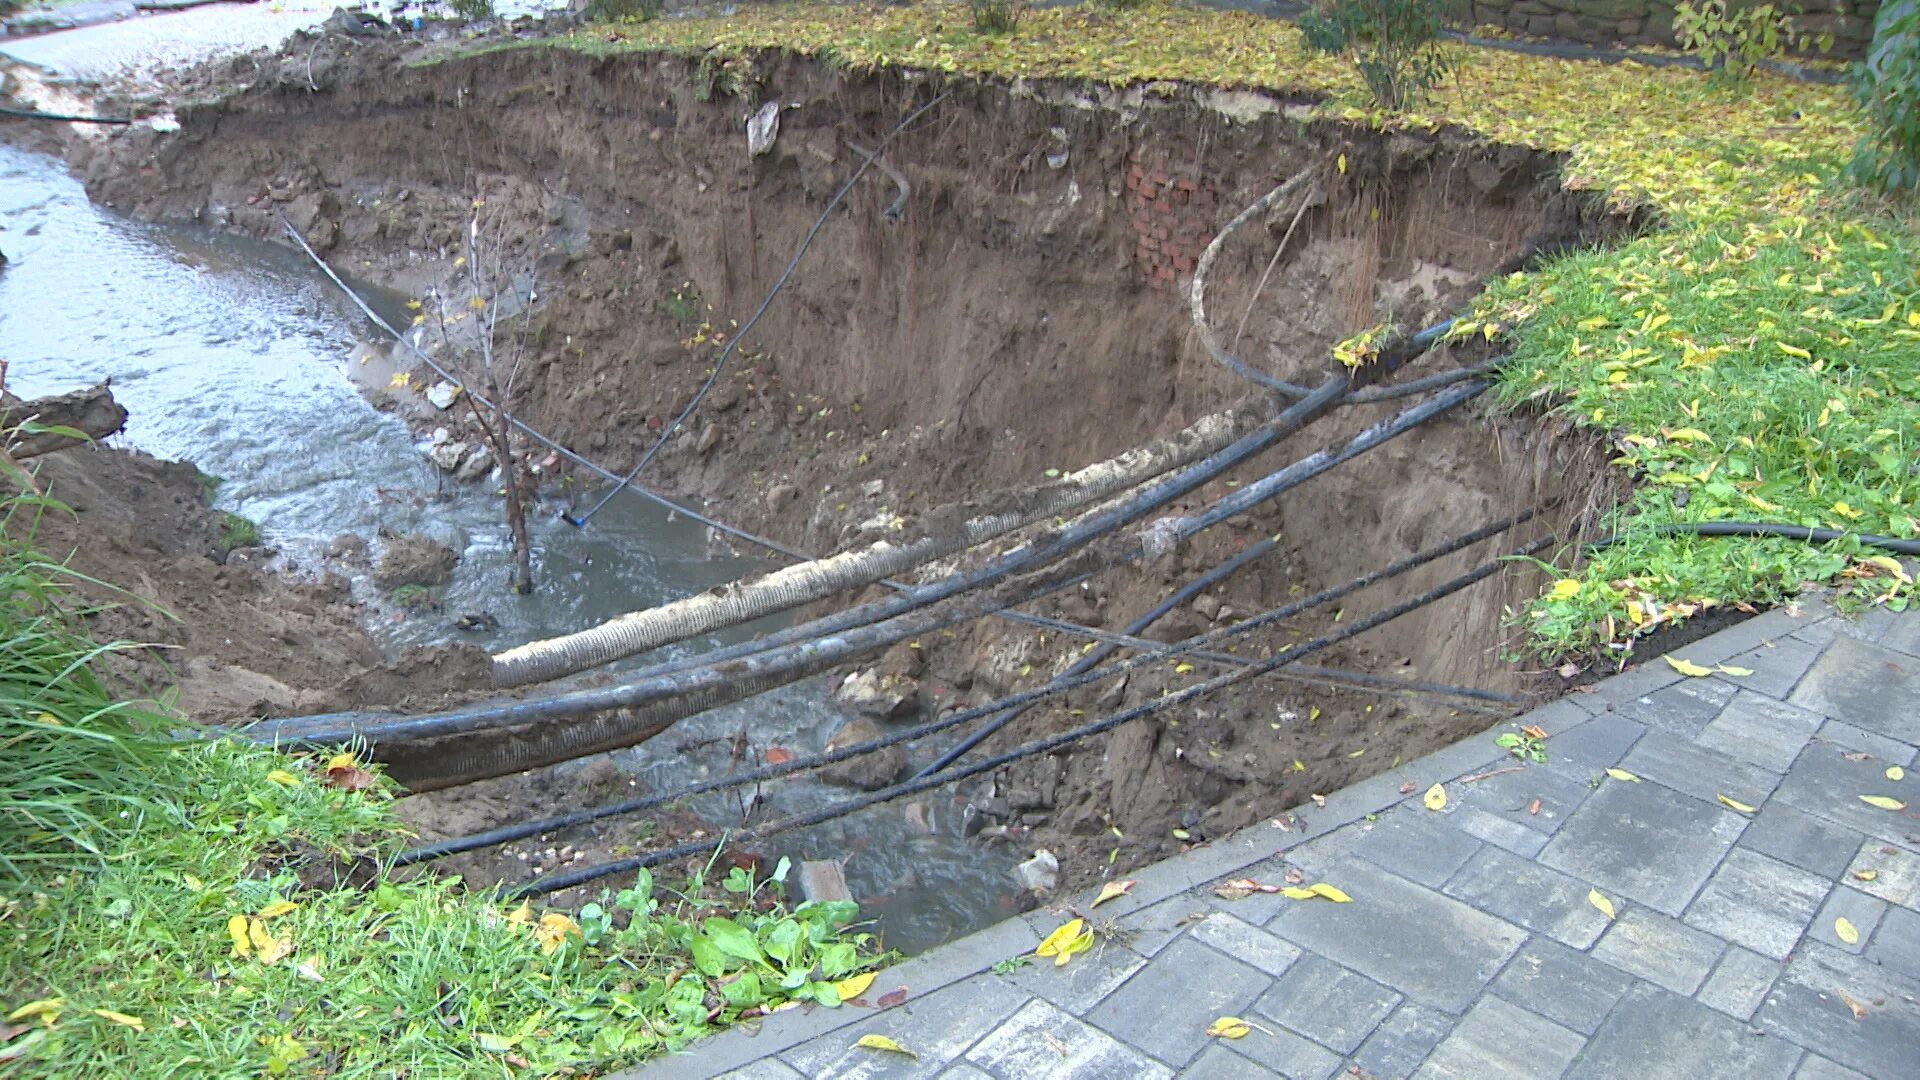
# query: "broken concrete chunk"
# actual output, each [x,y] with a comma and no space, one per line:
[1040,874]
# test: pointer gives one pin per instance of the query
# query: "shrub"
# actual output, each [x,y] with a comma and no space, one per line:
[1733,43]
[237,532]
[472,10]
[625,10]
[996,16]
[1888,89]
[1394,43]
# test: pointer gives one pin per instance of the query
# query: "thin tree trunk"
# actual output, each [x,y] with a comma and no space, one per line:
[512,474]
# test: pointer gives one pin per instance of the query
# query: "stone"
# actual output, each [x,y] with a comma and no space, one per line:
[477,465]
[1654,1032]
[1760,731]
[1040,874]
[1644,842]
[872,488]
[1827,784]
[1398,1046]
[1498,1040]
[442,395]
[1245,942]
[1685,765]
[1570,988]
[1207,606]
[1285,1054]
[1794,836]
[1894,873]
[1807,1007]
[1867,686]
[412,559]
[709,440]
[1777,666]
[1534,896]
[348,548]
[881,697]
[1848,737]
[1661,950]
[1683,709]
[868,772]
[1758,902]
[1387,934]
[960,1014]
[1897,944]
[764,1069]
[1086,981]
[1859,909]
[447,456]
[1417,845]
[1041,1040]
[1739,984]
[903,661]
[1327,1003]
[1217,1062]
[780,495]
[1172,1025]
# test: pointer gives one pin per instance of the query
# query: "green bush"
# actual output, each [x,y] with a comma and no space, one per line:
[237,532]
[1394,43]
[996,16]
[1733,43]
[472,10]
[625,10]
[1887,86]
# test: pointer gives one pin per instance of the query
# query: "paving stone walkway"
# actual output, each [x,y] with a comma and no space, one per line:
[1471,947]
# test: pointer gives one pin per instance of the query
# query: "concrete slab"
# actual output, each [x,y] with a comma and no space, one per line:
[1644,842]
[939,1028]
[1795,836]
[1524,892]
[1760,903]
[1172,1024]
[1702,772]
[1660,950]
[1397,1047]
[1867,686]
[1418,845]
[1809,1007]
[1570,988]
[1656,1033]
[1040,1041]
[1684,709]
[1245,942]
[1777,666]
[1498,1040]
[1739,984]
[1219,1062]
[1828,782]
[1896,946]
[1327,1003]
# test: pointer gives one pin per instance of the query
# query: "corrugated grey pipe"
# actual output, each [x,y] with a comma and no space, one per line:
[803,583]
[518,741]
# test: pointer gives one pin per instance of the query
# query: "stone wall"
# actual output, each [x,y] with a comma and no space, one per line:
[1650,22]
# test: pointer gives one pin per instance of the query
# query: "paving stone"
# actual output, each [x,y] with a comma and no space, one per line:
[1863,911]
[1166,1009]
[1761,731]
[1816,1067]
[1795,836]
[1534,896]
[1389,933]
[1684,709]
[1758,902]
[1895,873]
[1256,909]
[1289,1055]
[1739,984]
[1661,950]
[1153,928]
[1084,982]
[1777,666]
[1043,1041]
[1593,746]
[1638,681]
[1418,845]
[1499,830]
[1867,686]
[1806,1007]
[1217,1062]
[1570,988]
[1644,842]
[1897,944]
[1327,1003]
[1824,783]
[1509,794]
[1245,942]
[964,1071]
[1655,1033]
[764,1069]
[1848,737]
[1686,766]
[1903,636]
[1398,1046]
[939,1027]
[1497,1039]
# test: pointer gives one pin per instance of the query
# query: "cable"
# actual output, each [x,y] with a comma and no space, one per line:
[556,882]
[1765,529]
[1054,688]
[29,114]
[733,342]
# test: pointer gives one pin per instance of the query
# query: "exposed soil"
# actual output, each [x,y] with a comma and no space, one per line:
[1025,312]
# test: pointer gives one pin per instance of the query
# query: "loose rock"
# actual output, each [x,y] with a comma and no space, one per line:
[868,772]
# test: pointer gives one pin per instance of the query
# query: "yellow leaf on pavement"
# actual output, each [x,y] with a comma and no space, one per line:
[1730,669]
[853,986]
[1077,945]
[1733,804]
[1846,931]
[1622,774]
[122,1019]
[1436,797]
[1331,893]
[1605,905]
[1229,1027]
[1687,667]
[1865,875]
[1297,892]
[1883,802]
[1112,890]
[1061,938]
[881,1042]
[1895,772]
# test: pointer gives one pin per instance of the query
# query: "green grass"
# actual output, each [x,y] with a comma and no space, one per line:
[133,862]
[237,531]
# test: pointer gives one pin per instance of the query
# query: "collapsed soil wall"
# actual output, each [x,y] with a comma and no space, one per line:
[1025,311]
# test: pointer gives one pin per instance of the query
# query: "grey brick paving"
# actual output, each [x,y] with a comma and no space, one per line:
[1469,948]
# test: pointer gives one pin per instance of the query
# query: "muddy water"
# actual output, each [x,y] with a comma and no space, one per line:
[234,355]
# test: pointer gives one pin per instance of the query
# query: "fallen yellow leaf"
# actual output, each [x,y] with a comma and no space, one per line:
[1229,1027]
[1436,797]
[1564,589]
[1895,772]
[1061,937]
[1846,931]
[278,907]
[1883,802]
[1733,804]
[1112,890]
[122,1019]
[237,930]
[1622,774]
[1331,893]
[521,915]
[853,986]
[1297,892]
[1736,672]
[1865,875]
[1687,668]
[266,948]
[43,1007]
[553,931]
[1605,905]
[284,778]
[881,1042]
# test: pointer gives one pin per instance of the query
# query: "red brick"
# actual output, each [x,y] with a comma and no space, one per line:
[1179,197]
[1159,178]
[1142,223]
[1185,184]
[1148,243]
[1182,263]
[1133,180]
[1162,206]
[1165,273]
[1158,232]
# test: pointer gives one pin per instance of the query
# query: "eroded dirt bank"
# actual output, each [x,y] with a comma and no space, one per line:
[1022,312]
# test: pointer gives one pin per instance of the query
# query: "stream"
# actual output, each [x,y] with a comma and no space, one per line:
[233,354]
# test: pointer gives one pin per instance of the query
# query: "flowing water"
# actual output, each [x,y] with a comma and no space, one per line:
[234,355]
